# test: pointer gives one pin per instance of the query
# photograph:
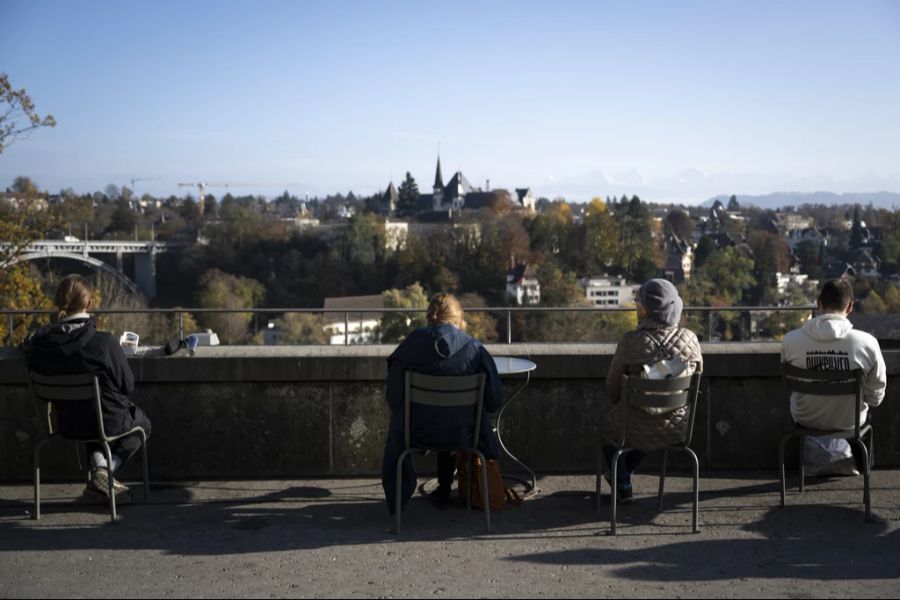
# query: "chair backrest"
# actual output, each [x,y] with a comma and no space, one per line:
[827,383]
[451,392]
[68,392]
[669,394]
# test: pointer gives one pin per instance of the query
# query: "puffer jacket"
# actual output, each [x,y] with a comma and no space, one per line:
[636,348]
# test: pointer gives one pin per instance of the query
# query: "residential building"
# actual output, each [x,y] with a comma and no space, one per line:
[521,287]
[345,321]
[609,291]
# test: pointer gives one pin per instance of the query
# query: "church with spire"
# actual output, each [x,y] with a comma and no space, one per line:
[456,195]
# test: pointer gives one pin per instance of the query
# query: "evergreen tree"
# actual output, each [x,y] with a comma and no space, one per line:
[856,233]
[408,201]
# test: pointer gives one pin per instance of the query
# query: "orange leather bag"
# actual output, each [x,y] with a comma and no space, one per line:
[498,493]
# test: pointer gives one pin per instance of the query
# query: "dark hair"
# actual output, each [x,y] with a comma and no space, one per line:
[836,294]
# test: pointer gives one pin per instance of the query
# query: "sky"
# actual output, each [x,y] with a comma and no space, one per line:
[675,101]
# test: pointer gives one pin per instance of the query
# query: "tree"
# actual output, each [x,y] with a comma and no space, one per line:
[17,114]
[394,327]
[408,196]
[123,218]
[856,232]
[600,237]
[222,290]
[302,328]
[24,186]
[680,223]
[733,204]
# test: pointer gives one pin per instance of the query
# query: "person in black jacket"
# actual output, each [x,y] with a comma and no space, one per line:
[73,346]
[440,348]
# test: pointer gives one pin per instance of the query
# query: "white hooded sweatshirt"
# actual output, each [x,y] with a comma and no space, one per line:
[830,342]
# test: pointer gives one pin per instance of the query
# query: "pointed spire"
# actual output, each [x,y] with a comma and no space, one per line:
[438,178]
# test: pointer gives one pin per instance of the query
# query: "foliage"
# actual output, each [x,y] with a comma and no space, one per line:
[21,290]
[17,114]
[408,196]
[302,328]
[222,290]
[395,326]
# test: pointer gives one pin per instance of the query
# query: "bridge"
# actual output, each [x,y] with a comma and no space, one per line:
[83,251]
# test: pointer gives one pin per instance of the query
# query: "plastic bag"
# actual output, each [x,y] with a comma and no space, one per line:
[828,456]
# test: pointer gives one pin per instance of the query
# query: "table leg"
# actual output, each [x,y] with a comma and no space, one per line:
[532,489]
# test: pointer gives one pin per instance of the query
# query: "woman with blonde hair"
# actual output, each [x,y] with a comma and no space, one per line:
[442,347]
[73,346]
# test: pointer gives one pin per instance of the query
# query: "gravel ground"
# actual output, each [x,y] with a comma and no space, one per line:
[331,538]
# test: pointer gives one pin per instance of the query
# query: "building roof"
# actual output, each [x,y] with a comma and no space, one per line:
[885,328]
[521,193]
[459,180]
[517,273]
[391,195]
[438,178]
[349,303]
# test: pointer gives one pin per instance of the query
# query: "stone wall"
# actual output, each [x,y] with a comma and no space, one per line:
[247,412]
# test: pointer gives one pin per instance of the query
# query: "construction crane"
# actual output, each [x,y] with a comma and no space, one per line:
[202,185]
[134,180]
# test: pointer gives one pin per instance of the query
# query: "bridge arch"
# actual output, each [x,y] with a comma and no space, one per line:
[89,260]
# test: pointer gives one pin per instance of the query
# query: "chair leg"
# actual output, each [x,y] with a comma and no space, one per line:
[146,470]
[867,500]
[781,447]
[662,480]
[871,449]
[614,495]
[485,497]
[37,480]
[696,517]
[112,494]
[398,484]
[601,462]
[802,462]
[469,491]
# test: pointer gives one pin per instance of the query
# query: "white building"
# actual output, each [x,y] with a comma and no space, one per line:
[609,291]
[524,289]
[344,321]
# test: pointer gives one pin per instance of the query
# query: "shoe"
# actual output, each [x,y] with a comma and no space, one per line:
[626,493]
[100,483]
[440,497]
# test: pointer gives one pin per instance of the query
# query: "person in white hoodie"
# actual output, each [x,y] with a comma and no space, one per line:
[828,342]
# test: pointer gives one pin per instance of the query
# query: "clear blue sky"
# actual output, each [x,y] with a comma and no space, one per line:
[669,99]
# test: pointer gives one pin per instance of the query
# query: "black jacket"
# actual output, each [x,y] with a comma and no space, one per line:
[436,350]
[74,347]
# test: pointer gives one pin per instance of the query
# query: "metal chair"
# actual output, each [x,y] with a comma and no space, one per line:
[76,393]
[671,394]
[463,398]
[829,383]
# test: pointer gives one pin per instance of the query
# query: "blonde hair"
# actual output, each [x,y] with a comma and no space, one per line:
[73,295]
[445,309]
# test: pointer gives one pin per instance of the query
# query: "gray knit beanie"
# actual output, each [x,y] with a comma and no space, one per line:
[661,301]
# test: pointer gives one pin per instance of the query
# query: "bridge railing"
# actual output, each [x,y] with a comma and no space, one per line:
[347,326]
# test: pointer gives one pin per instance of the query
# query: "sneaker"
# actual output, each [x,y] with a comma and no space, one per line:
[100,483]
[440,497]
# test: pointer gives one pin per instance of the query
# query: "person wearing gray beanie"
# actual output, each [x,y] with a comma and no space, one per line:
[661,301]
[659,310]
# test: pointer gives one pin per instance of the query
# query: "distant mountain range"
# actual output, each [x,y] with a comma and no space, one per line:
[888,200]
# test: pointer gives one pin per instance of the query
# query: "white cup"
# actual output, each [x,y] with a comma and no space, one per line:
[129,342]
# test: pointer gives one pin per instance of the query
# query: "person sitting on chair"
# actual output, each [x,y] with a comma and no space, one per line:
[828,342]
[440,348]
[656,337]
[73,346]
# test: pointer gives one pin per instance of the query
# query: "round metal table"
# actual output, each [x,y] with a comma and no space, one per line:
[508,366]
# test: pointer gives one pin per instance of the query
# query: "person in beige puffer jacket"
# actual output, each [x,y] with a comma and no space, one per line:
[659,310]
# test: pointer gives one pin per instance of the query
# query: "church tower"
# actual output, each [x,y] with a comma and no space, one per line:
[438,196]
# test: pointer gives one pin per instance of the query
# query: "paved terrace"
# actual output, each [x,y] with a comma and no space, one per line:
[268,456]
[329,538]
